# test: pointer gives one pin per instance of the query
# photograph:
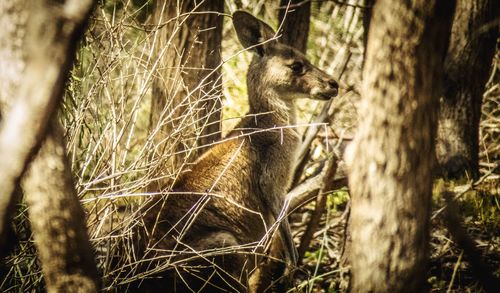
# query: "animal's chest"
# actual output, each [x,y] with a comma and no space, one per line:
[275,168]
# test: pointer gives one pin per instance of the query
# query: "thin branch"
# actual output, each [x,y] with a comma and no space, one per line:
[327,185]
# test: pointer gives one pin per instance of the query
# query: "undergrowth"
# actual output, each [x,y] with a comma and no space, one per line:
[110,143]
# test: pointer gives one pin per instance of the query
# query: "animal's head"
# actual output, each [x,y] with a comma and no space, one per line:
[279,67]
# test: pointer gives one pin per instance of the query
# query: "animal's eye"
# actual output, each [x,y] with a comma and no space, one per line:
[297,67]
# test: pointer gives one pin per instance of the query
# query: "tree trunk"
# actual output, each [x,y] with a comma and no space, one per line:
[40,53]
[13,18]
[391,157]
[57,219]
[49,50]
[294,22]
[186,101]
[467,66]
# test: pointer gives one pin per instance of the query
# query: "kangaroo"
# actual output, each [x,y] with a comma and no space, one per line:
[233,194]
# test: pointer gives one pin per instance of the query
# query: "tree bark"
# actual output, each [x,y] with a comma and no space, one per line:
[188,75]
[13,21]
[467,67]
[49,53]
[40,53]
[58,220]
[391,157]
[293,18]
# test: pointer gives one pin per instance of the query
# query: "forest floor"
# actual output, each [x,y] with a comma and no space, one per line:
[449,270]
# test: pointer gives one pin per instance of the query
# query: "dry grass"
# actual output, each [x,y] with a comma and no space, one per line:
[114,150]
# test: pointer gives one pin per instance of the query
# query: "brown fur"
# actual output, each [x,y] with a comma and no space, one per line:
[238,186]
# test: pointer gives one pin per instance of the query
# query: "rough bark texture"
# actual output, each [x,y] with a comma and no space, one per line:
[13,18]
[58,220]
[40,53]
[467,68]
[392,154]
[294,23]
[50,46]
[13,21]
[188,51]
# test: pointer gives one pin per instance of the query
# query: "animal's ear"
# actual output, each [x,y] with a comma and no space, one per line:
[251,31]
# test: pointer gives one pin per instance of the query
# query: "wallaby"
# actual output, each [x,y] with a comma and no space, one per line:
[233,194]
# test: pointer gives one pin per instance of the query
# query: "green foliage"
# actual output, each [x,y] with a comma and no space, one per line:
[338,199]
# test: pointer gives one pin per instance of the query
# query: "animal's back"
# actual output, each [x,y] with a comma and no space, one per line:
[213,206]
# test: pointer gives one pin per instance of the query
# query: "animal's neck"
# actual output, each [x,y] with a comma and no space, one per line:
[277,146]
[271,111]
[269,122]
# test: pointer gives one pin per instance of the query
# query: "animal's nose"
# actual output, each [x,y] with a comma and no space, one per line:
[333,84]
